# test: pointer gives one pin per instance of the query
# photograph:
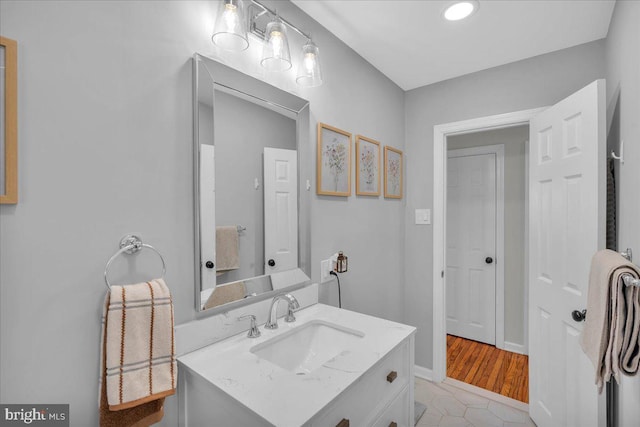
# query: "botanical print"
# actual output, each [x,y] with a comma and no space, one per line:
[334,161]
[392,173]
[367,166]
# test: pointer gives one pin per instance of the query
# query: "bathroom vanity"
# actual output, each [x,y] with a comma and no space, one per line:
[331,367]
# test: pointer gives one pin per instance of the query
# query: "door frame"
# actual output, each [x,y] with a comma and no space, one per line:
[440,133]
[498,150]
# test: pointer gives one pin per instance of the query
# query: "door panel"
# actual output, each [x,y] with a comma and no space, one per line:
[566,214]
[280,209]
[471,238]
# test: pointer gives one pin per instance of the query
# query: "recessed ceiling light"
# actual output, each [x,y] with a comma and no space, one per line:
[460,10]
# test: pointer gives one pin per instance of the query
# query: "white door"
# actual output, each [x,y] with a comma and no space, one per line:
[566,214]
[471,245]
[280,209]
[207,216]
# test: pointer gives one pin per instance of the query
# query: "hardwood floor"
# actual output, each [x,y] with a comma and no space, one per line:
[488,367]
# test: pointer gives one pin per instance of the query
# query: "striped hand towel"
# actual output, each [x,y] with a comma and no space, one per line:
[139,364]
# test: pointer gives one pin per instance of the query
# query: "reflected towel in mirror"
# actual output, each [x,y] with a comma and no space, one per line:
[226,293]
[227,248]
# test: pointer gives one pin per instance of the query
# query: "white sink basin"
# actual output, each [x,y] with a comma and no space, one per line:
[307,347]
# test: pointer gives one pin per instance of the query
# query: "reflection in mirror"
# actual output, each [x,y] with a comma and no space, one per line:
[251,223]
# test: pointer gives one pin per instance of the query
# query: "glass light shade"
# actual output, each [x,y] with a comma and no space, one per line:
[275,53]
[309,71]
[230,31]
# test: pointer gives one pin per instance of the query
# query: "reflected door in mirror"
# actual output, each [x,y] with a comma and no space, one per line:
[280,209]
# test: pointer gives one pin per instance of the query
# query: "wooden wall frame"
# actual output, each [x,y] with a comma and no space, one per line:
[9,139]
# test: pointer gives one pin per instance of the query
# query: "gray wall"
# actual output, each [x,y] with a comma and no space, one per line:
[105,135]
[623,96]
[513,139]
[531,83]
[242,130]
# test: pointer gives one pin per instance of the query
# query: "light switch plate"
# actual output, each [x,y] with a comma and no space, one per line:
[423,216]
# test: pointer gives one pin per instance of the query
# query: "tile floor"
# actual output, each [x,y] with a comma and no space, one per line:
[450,406]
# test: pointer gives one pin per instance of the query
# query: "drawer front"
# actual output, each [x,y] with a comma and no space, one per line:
[397,414]
[371,394]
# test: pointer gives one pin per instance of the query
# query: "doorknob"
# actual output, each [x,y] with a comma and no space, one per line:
[579,316]
[488,260]
[271,263]
[209,264]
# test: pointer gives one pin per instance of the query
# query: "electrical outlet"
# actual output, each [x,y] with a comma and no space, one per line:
[325,270]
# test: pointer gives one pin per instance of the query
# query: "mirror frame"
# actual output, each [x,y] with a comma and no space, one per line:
[261,93]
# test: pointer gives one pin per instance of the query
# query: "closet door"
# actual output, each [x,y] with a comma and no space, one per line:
[471,245]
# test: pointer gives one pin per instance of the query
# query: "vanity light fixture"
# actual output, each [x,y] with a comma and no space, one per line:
[230,33]
[460,10]
[231,26]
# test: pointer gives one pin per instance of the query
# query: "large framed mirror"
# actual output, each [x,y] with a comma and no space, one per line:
[251,188]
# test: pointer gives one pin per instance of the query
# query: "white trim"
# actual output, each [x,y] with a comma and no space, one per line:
[422,372]
[515,348]
[525,312]
[516,404]
[440,132]
[498,150]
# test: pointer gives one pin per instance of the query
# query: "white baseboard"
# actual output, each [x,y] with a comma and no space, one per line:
[424,373]
[515,348]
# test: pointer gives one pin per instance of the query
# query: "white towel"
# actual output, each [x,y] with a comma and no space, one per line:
[140,362]
[610,334]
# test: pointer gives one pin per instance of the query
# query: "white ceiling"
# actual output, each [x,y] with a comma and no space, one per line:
[410,42]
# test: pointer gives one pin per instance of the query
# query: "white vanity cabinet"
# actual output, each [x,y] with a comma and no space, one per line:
[380,395]
[368,383]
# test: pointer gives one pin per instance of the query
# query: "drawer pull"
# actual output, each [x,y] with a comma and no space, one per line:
[392,376]
[343,423]
[393,424]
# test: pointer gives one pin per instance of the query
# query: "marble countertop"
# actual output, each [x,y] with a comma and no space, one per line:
[282,397]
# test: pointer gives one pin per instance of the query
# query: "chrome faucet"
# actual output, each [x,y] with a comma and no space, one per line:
[272,323]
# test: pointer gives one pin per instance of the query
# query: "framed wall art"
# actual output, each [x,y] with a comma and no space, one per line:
[8,121]
[334,161]
[392,173]
[367,166]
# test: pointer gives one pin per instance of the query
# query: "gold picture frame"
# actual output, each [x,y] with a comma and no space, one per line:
[367,166]
[333,161]
[9,131]
[393,173]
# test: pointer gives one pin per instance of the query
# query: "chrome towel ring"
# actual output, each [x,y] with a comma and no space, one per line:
[130,244]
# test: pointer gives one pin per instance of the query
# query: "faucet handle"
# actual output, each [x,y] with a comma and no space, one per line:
[254,332]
